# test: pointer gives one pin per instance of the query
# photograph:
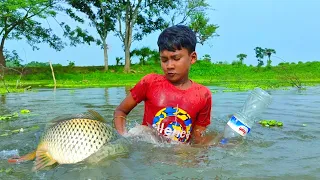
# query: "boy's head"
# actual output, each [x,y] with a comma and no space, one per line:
[177,37]
[177,52]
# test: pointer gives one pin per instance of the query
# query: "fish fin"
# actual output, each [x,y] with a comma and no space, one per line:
[43,158]
[27,157]
[95,115]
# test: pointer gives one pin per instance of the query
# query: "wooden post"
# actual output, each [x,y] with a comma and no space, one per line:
[54,79]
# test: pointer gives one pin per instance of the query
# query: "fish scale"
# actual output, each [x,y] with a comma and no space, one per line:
[81,138]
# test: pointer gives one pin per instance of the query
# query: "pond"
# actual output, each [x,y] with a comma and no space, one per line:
[288,152]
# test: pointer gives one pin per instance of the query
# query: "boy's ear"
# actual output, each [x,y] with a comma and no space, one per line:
[194,57]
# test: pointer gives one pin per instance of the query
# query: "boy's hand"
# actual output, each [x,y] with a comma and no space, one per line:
[121,113]
[199,137]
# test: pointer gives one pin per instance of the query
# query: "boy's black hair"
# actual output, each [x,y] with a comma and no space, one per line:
[177,37]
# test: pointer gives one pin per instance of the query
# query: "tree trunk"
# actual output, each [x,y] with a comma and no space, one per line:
[2,59]
[127,59]
[127,46]
[105,50]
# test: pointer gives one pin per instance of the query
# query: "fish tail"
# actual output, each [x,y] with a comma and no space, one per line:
[43,158]
[27,157]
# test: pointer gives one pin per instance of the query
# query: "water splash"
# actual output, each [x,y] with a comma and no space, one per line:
[5,154]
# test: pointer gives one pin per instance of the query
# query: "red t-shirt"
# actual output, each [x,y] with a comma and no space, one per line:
[172,111]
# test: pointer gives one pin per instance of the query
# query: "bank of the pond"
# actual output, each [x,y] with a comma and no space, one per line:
[28,85]
[237,77]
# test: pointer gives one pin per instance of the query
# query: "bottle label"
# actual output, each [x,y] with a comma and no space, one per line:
[238,126]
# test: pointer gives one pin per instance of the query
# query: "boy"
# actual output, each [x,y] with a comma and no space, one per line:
[177,107]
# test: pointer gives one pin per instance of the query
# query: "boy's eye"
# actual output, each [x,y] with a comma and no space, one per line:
[164,60]
[176,58]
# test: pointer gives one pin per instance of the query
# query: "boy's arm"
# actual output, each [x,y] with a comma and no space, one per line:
[200,137]
[121,113]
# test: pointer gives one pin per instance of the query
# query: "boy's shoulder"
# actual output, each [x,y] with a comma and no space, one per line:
[201,88]
[152,77]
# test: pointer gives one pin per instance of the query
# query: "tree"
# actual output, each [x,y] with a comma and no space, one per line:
[241,57]
[193,14]
[206,57]
[259,55]
[12,58]
[145,54]
[118,59]
[20,19]
[101,14]
[268,52]
[154,57]
[139,18]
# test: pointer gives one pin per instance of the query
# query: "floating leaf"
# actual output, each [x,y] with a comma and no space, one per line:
[9,116]
[24,111]
[268,123]
[5,134]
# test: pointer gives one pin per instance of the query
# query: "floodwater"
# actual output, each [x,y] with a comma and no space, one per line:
[290,152]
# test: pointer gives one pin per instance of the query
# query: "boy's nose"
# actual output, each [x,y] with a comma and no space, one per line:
[170,64]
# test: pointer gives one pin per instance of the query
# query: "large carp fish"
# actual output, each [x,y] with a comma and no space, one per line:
[76,138]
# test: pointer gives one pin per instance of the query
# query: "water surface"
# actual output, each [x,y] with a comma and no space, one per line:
[290,152]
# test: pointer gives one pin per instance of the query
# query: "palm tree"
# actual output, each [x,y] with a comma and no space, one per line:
[268,52]
[241,57]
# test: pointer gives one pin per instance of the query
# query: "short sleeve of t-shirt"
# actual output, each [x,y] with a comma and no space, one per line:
[204,116]
[139,91]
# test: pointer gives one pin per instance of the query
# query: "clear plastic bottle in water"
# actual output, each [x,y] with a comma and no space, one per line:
[242,121]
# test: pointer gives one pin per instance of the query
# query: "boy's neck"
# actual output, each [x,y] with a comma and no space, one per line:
[183,85]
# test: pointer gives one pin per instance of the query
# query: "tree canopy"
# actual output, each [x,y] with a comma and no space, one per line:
[20,19]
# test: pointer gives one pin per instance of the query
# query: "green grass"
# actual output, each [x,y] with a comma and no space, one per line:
[237,77]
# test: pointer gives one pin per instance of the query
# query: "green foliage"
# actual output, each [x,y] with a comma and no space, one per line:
[259,55]
[241,57]
[236,63]
[71,64]
[199,23]
[154,57]
[206,57]
[193,14]
[41,64]
[118,59]
[271,123]
[145,55]
[102,16]
[139,18]
[268,52]
[148,16]
[12,58]
[20,20]
[239,77]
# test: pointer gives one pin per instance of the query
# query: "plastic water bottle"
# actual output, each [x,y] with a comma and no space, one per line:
[241,122]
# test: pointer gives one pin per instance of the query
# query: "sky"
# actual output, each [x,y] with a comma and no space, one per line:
[291,27]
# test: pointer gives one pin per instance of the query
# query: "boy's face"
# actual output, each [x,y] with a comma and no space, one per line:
[176,65]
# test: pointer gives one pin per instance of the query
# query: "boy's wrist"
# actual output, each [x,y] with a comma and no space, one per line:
[119,124]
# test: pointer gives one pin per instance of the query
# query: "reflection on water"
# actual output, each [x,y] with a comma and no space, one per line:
[290,152]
